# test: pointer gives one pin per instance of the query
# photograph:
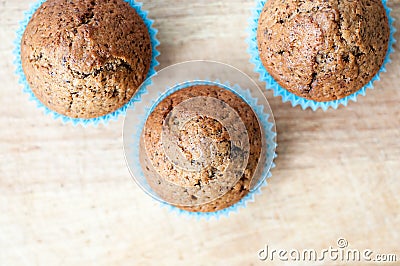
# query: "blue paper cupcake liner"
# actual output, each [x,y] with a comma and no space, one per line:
[287,96]
[270,137]
[80,121]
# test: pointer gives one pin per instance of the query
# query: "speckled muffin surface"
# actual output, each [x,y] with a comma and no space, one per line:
[323,50]
[201,186]
[87,58]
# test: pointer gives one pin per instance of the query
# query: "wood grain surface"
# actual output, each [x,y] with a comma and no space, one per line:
[67,198]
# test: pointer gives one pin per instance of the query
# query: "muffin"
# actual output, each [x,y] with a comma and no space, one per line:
[323,50]
[200,147]
[87,58]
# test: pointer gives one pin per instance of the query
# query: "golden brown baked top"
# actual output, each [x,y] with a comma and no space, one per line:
[85,58]
[173,181]
[323,50]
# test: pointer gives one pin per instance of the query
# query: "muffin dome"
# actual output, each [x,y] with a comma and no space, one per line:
[87,58]
[323,50]
[193,158]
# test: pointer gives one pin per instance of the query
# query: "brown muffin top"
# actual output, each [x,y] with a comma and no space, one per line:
[199,183]
[323,50]
[86,58]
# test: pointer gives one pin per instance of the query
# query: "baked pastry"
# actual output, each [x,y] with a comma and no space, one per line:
[323,50]
[87,58]
[182,168]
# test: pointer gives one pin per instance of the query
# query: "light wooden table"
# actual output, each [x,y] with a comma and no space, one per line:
[66,196]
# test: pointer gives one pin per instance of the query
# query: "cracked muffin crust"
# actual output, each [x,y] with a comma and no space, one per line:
[87,58]
[170,181]
[323,50]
